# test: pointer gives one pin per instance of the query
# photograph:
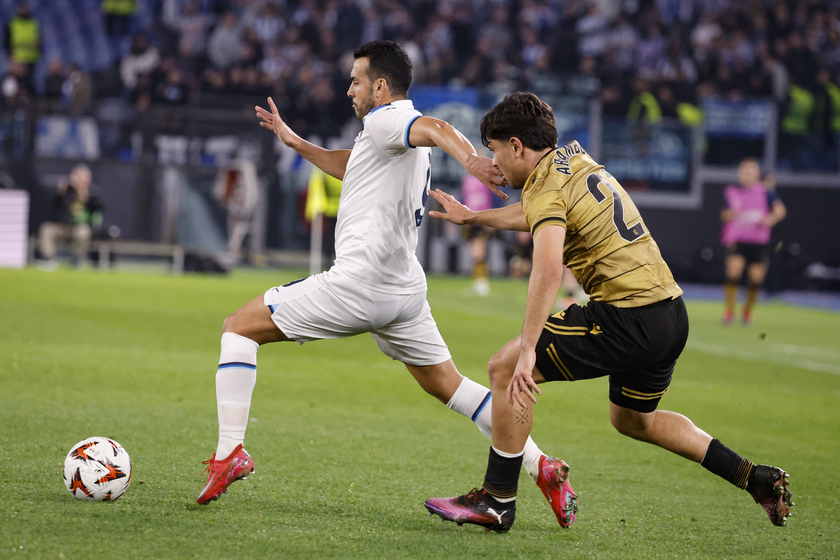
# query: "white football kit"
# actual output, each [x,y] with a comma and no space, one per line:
[376,284]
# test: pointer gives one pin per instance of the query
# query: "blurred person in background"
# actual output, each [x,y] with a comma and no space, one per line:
[322,196]
[77,92]
[478,197]
[118,14]
[237,190]
[192,28]
[77,212]
[826,120]
[752,209]
[225,44]
[522,255]
[22,39]
[53,82]
[142,59]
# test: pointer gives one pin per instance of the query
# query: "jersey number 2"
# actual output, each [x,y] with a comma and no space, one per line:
[628,233]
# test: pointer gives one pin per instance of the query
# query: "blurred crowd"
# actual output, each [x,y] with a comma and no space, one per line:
[646,59]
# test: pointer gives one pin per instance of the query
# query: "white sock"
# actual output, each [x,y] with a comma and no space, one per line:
[475,402]
[235,381]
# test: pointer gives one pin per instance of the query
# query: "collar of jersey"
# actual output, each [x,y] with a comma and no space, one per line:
[375,109]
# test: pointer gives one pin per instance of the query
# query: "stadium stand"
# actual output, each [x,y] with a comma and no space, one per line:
[296,49]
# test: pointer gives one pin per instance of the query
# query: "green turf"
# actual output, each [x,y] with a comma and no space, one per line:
[347,447]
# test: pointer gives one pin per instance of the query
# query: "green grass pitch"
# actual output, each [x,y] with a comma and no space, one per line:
[347,447]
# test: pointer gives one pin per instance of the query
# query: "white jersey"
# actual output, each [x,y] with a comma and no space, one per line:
[382,204]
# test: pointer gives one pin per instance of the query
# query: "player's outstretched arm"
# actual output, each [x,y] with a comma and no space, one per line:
[429,132]
[332,162]
[508,217]
[543,285]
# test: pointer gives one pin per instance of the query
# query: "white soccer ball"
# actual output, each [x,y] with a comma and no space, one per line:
[98,469]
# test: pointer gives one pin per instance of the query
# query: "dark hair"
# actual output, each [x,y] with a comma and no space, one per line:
[524,116]
[388,60]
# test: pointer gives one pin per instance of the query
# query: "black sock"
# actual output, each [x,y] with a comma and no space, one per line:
[727,464]
[502,479]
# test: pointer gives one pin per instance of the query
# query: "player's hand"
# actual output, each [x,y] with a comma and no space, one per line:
[482,168]
[523,379]
[272,121]
[455,212]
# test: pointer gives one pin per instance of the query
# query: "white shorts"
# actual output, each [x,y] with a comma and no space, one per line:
[318,307]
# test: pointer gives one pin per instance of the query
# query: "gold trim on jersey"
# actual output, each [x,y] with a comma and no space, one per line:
[638,395]
[568,331]
[558,363]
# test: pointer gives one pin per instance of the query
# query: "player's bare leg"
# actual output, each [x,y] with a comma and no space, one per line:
[664,428]
[676,433]
[465,396]
[756,273]
[733,271]
[513,422]
[552,473]
[440,380]
[253,320]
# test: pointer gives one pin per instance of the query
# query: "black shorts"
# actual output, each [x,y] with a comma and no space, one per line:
[636,347]
[753,253]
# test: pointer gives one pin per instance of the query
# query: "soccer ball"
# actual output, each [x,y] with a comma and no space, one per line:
[98,469]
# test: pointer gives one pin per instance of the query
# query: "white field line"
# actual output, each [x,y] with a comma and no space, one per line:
[781,354]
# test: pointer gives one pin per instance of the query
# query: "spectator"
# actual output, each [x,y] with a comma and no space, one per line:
[118,14]
[77,92]
[251,51]
[478,69]
[651,49]
[532,49]
[225,44]
[676,66]
[592,30]
[349,24]
[143,59]
[776,72]
[268,25]
[704,35]
[193,29]
[77,211]
[622,41]
[795,124]
[53,83]
[800,62]
[674,108]
[826,120]
[498,31]
[17,88]
[644,107]
[173,89]
[585,83]
[22,38]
